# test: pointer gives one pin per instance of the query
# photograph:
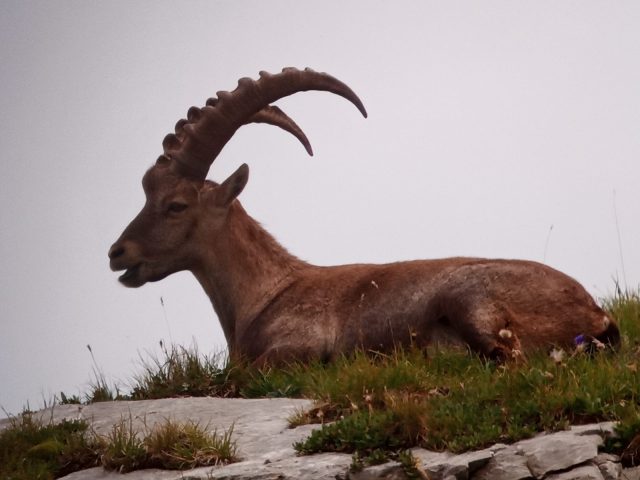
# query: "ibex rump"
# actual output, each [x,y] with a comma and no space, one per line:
[274,307]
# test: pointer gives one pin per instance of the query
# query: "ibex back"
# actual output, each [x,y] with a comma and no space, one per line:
[274,307]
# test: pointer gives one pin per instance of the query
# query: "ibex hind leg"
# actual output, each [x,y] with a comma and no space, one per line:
[606,335]
[486,328]
[611,334]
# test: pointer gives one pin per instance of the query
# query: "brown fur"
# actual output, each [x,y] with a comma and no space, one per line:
[275,307]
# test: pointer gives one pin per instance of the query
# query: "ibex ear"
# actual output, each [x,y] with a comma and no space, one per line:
[232,186]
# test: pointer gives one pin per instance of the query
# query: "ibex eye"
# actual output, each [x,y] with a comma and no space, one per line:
[175,207]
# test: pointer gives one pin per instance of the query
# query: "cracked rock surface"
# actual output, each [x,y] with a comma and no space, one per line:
[264,443]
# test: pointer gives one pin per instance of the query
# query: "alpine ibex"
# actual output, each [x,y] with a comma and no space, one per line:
[274,307]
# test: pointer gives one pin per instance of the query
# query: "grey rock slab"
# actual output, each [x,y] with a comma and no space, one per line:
[606,457]
[506,464]
[558,451]
[604,429]
[385,471]
[100,473]
[610,470]
[456,472]
[473,460]
[434,463]
[323,466]
[265,448]
[260,426]
[632,473]
[609,465]
[585,472]
[320,467]
[445,464]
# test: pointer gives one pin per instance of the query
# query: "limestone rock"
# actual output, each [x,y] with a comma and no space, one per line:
[610,470]
[385,471]
[604,429]
[507,464]
[609,466]
[265,446]
[323,466]
[434,463]
[632,473]
[558,451]
[585,472]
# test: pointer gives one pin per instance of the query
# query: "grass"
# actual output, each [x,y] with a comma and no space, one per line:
[169,445]
[99,391]
[378,406]
[462,403]
[181,371]
[458,402]
[33,450]
[181,446]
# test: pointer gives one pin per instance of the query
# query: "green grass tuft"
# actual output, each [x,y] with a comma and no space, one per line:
[169,445]
[31,450]
[123,450]
[181,446]
[181,371]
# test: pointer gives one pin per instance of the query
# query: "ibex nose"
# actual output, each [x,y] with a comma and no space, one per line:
[116,251]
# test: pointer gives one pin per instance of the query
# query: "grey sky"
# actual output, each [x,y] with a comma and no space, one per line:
[489,123]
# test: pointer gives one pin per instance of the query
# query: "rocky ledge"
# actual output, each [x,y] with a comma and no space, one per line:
[265,446]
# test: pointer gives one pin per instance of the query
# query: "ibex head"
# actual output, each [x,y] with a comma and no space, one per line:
[182,208]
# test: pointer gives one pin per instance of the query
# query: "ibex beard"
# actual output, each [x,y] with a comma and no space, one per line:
[274,307]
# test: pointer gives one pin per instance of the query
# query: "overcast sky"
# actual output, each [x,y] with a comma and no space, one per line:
[496,129]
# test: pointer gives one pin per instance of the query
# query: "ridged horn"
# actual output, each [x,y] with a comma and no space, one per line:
[275,116]
[269,114]
[199,139]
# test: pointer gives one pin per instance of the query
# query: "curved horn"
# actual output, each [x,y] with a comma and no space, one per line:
[270,114]
[201,137]
[275,116]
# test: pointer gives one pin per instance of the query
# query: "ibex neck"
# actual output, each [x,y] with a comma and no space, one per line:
[242,270]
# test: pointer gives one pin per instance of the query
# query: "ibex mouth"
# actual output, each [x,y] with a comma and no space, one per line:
[130,274]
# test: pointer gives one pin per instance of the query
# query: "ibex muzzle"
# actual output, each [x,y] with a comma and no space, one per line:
[275,307]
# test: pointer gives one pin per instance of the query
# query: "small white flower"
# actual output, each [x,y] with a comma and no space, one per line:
[557,355]
[504,333]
